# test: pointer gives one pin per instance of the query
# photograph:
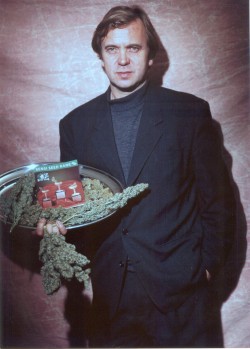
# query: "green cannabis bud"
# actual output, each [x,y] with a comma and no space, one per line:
[20,197]
[60,260]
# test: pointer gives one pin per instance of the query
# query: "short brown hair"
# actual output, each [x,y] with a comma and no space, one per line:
[119,17]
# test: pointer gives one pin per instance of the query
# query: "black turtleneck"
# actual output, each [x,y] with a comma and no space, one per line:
[126,114]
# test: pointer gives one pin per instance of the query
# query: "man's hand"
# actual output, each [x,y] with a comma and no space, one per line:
[57,227]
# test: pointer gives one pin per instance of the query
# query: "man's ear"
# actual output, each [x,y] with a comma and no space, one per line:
[150,62]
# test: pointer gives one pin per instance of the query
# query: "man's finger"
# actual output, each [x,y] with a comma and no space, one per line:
[40,226]
[61,227]
[52,228]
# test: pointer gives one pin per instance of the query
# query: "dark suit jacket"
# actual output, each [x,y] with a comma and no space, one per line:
[182,226]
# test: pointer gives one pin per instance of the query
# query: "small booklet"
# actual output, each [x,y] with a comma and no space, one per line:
[59,184]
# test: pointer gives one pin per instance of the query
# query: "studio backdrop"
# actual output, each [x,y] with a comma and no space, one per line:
[47,68]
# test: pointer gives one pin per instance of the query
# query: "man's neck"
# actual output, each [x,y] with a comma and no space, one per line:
[115,93]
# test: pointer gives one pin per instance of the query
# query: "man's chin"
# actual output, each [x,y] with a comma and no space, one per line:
[128,87]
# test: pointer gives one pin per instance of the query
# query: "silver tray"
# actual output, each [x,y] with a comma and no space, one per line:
[8,180]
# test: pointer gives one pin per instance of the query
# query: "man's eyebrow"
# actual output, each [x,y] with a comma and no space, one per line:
[129,45]
[138,45]
[110,45]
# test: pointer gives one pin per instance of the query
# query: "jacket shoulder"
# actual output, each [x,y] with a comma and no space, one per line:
[182,107]
[178,97]
[85,109]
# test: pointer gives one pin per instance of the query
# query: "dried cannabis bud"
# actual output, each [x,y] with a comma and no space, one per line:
[98,209]
[94,189]
[60,260]
[20,197]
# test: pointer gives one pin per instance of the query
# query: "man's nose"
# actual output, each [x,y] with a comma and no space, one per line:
[123,58]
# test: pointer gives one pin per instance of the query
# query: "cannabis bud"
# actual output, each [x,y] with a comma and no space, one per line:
[60,260]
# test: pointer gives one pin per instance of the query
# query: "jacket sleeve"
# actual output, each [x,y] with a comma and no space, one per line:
[215,191]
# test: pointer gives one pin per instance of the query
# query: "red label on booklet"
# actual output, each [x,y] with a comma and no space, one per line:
[59,185]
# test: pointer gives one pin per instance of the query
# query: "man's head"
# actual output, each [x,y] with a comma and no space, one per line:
[120,17]
[126,42]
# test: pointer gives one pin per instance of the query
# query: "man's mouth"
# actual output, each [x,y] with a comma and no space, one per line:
[124,75]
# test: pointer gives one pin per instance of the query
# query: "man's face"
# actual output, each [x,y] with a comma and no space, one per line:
[125,57]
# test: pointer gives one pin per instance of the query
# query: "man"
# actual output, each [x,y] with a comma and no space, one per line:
[151,269]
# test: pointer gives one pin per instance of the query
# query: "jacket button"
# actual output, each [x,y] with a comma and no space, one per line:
[121,264]
[125,231]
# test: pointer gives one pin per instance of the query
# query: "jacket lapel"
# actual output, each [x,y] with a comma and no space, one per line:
[104,142]
[150,131]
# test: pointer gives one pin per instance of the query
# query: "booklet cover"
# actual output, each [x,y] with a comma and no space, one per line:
[59,184]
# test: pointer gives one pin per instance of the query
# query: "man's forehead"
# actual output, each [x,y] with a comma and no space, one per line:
[126,31]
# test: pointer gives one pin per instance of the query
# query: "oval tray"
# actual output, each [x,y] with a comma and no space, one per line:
[8,179]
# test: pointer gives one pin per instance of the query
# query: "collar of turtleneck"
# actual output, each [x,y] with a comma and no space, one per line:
[130,101]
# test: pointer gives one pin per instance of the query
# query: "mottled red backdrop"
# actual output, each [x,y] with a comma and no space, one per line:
[48,68]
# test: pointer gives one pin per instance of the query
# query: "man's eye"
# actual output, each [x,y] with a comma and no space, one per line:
[134,49]
[111,49]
